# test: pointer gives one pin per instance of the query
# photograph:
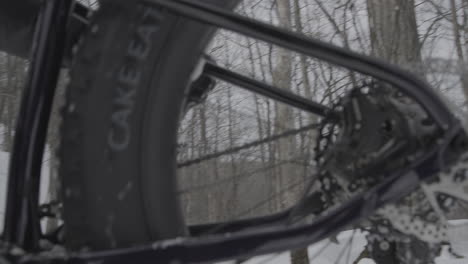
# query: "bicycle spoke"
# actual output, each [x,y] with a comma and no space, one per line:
[264,89]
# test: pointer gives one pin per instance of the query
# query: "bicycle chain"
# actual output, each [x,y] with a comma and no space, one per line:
[248,145]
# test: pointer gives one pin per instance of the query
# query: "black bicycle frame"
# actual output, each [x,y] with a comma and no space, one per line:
[48,56]
[48,47]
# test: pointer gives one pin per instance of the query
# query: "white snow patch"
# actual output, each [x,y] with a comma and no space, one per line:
[458,234]
[4,164]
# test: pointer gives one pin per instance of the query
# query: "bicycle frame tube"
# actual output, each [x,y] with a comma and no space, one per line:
[21,222]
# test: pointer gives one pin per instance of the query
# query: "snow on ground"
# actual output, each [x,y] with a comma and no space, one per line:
[327,252]
[3,181]
[458,233]
[4,163]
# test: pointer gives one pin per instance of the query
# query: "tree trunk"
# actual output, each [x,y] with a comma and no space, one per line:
[281,76]
[394,37]
[394,32]
[459,46]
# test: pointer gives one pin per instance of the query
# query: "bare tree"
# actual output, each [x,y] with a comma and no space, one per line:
[394,37]
[12,78]
[394,32]
[459,21]
[282,77]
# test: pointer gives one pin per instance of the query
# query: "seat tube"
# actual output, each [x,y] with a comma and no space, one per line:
[21,226]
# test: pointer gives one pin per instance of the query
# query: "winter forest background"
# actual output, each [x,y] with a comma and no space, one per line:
[426,37]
